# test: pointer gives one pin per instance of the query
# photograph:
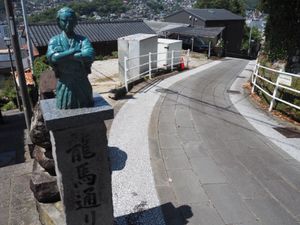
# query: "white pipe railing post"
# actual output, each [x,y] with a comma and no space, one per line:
[187,58]
[255,74]
[274,94]
[172,60]
[150,66]
[209,46]
[125,73]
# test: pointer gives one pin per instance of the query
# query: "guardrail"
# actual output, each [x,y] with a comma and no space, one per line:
[283,81]
[176,58]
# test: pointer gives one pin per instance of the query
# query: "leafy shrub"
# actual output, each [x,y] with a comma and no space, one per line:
[9,90]
[8,106]
[114,54]
[40,65]
[8,94]
[99,57]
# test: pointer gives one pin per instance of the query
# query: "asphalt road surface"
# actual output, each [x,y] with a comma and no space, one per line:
[220,169]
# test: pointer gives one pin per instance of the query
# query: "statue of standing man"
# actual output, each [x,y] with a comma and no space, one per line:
[71,56]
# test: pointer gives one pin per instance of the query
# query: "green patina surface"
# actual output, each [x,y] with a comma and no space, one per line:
[71,56]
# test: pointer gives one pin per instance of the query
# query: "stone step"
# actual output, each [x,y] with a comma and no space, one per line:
[17,204]
[51,214]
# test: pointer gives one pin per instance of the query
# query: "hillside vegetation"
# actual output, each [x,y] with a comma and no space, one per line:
[251,4]
[102,7]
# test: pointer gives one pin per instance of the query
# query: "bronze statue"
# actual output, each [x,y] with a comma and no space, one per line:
[71,56]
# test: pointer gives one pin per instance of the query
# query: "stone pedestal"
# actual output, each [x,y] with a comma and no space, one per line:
[79,148]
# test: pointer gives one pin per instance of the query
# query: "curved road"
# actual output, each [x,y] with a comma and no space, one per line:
[216,168]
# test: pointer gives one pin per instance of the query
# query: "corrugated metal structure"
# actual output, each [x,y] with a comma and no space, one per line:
[160,27]
[196,37]
[207,32]
[103,35]
[233,32]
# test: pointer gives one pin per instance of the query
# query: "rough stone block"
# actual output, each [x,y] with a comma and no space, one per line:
[39,134]
[42,156]
[44,186]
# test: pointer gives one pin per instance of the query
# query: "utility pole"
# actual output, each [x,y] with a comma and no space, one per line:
[250,37]
[29,45]
[19,64]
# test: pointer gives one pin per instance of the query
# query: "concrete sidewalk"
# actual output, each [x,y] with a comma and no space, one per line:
[17,204]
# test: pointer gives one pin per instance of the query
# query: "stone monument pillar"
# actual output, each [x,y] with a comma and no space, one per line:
[79,148]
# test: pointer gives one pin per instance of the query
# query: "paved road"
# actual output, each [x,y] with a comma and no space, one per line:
[217,169]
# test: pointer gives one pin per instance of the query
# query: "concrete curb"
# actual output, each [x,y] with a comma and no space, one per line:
[263,121]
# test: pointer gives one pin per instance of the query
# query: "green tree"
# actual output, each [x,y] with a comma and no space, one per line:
[48,15]
[251,4]
[155,5]
[263,5]
[256,36]
[282,29]
[235,6]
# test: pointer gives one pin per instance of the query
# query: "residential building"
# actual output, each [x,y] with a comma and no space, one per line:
[233,24]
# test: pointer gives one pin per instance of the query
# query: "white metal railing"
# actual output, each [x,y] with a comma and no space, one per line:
[176,58]
[283,81]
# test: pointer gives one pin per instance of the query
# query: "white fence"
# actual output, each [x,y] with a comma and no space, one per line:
[283,81]
[173,58]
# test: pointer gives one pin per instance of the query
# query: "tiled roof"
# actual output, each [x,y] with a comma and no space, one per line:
[211,14]
[94,31]
[210,32]
[214,14]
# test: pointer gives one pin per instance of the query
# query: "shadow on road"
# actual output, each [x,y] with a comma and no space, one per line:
[172,215]
[117,158]
[228,109]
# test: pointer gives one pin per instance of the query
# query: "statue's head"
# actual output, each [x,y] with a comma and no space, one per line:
[66,19]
